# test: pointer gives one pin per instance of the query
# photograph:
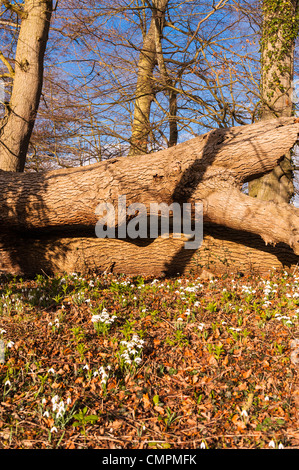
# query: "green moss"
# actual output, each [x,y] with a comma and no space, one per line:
[280,29]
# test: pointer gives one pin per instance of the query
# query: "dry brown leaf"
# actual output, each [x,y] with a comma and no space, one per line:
[146,401]
[159,409]
[247,374]
[213,361]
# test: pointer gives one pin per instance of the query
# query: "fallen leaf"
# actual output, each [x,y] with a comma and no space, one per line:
[225,361]
[146,401]
[213,361]
[159,409]
[247,374]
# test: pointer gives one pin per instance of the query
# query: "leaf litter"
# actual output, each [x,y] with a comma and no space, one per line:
[109,361]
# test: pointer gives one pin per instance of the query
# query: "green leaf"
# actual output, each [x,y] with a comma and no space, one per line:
[91,418]
[156,399]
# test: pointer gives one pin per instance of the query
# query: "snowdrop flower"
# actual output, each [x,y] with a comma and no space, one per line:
[68,401]
[95,318]
[10,344]
[271,444]
[44,401]
[51,370]
[2,331]
[46,414]
[55,399]
[202,445]
[201,326]
[53,429]
[60,412]
[266,398]
[7,383]
[86,367]
[280,446]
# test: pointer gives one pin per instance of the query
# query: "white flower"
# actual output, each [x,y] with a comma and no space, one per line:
[2,331]
[53,429]
[51,370]
[7,383]
[68,401]
[95,318]
[44,401]
[86,367]
[60,412]
[55,399]
[46,414]
[244,414]
[10,344]
[280,446]
[202,445]
[271,444]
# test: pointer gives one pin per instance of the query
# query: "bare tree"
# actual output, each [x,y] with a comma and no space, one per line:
[27,75]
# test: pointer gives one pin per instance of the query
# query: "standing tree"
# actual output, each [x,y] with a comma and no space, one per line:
[27,75]
[145,80]
[279,32]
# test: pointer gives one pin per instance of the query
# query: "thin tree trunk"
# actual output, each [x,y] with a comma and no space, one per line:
[280,28]
[173,123]
[17,125]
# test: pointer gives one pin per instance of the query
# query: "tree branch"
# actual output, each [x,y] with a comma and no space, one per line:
[14,8]
[7,64]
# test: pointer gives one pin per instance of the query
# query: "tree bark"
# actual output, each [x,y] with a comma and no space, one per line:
[280,28]
[17,125]
[145,83]
[60,206]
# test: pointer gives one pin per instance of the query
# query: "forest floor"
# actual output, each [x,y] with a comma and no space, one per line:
[107,362]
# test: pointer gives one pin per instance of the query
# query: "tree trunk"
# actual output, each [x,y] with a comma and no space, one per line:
[173,122]
[145,83]
[280,29]
[17,125]
[59,207]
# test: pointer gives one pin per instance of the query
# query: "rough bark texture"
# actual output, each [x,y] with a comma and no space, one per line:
[277,58]
[222,251]
[48,219]
[17,125]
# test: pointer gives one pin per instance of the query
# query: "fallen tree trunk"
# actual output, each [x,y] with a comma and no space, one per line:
[223,251]
[52,214]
